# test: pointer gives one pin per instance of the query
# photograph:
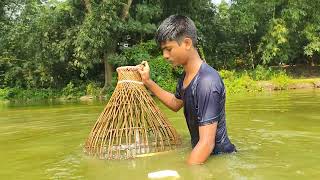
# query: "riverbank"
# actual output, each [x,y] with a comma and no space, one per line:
[309,83]
[242,85]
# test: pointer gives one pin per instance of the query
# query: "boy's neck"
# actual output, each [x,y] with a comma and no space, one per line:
[193,64]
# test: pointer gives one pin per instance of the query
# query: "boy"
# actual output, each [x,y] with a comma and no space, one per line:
[200,90]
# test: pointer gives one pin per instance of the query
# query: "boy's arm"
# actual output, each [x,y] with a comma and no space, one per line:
[165,97]
[205,145]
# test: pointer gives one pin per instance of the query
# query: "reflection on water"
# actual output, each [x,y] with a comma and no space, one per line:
[276,134]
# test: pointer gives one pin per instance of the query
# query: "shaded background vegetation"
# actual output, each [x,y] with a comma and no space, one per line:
[51,48]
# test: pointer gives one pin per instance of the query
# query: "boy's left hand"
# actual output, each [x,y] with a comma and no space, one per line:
[144,71]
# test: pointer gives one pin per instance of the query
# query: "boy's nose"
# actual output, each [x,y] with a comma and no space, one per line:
[166,55]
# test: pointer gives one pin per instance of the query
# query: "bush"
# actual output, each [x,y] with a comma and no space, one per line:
[70,91]
[261,73]
[163,74]
[227,75]
[27,94]
[135,55]
[281,80]
[93,89]
[4,94]
[242,84]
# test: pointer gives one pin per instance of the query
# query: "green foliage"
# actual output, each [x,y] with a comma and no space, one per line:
[5,94]
[146,12]
[96,33]
[162,73]
[275,43]
[261,73]
[240,84]
[135,55]
[281,80]
[227,75]
[70,91]
[313,36]
[93,89]
[36,52]
[141,22]
[247,81]
[47,44]
[28,94]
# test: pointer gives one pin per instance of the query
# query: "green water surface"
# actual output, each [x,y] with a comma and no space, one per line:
[277,135]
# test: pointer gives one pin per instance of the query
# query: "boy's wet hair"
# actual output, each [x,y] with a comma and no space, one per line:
[175,28]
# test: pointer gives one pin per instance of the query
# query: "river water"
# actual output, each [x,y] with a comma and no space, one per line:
[277,135]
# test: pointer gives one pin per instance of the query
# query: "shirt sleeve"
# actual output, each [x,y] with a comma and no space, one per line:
[209,102]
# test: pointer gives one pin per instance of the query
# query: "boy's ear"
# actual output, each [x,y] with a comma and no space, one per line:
[188,43]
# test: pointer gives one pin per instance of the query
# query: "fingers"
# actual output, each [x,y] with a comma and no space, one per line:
[145,64]
[144,71]
[140,67]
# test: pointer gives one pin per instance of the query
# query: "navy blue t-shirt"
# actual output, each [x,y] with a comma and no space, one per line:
[204,103]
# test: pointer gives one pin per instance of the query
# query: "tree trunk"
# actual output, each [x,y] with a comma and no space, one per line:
[108,69]
[251,54]
[125,10]
[87,4]
[312,61]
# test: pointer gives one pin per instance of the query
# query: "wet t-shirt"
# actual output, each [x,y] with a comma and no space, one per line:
[204,103]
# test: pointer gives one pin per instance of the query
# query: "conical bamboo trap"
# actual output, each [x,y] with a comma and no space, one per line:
[131,124]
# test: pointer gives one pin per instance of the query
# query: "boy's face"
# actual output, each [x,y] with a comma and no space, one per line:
[174,53]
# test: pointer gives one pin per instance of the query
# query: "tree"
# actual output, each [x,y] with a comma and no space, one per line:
[105,25]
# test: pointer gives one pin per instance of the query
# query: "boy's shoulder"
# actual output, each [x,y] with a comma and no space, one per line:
[209,78]
[208,73]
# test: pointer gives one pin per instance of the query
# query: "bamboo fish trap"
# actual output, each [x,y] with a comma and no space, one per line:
[131,124]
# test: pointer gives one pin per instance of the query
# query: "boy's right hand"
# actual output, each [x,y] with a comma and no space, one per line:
[144,72]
